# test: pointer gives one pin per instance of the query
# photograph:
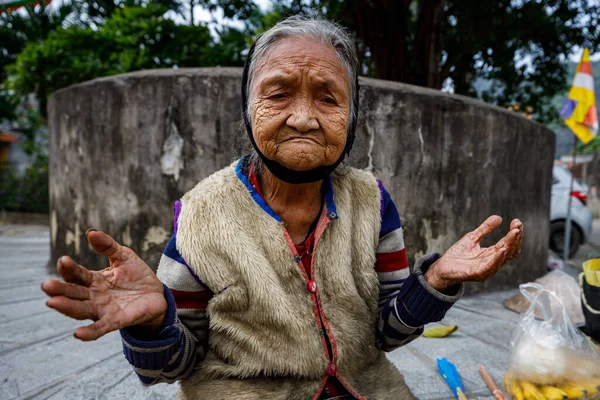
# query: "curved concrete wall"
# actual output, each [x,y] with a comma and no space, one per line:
[124,148]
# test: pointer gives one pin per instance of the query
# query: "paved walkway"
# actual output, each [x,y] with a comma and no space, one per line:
[40,358]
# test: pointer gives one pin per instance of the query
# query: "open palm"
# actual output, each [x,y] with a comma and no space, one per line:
[125,294]
[466,260]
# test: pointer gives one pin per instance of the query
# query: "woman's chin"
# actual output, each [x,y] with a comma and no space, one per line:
[299,165]
[299,159]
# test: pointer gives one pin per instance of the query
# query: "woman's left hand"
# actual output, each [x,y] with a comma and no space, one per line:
[467,261]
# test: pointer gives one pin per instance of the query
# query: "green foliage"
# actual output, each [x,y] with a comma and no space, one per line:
[43,50]
[28,192]
[16,30]
[132,39]
[521,48]
[591,148]
[7,104]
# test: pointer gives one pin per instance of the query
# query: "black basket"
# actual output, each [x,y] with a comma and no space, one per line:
[590,301]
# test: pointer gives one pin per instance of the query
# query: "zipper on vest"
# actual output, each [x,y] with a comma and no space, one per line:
[311,284]
[331,368]
[324,334]
[322,324]
[329,347]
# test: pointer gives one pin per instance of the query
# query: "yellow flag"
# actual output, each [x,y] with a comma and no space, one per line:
[580,112]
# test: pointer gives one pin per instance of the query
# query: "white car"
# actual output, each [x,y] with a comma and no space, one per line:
[581,216]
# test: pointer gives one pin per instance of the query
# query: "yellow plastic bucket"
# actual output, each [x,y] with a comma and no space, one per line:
[591,269]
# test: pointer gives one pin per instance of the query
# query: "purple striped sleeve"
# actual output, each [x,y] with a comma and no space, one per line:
[406,301]
[176,212]
[390,219]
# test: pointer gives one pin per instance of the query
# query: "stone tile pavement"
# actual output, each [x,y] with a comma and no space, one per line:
[40,358]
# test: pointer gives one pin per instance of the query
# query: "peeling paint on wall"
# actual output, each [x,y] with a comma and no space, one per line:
[155,235]
[171,161]
[74,238]
[422,141]
[438,244]
[371,132]
[126,239]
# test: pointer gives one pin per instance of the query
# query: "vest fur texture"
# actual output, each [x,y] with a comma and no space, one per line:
[264,342]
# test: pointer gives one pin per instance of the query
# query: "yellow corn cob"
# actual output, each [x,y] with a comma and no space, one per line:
[518,391]
[573,392]
[552,393]
[512,387]
[508,383]
[531,392]
[590,388]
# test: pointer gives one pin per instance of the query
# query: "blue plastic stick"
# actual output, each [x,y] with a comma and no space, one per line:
[450,375]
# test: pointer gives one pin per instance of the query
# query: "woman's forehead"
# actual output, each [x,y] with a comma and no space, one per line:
[286,77]
[289,58]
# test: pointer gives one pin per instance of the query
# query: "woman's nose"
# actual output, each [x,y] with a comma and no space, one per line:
[303,119]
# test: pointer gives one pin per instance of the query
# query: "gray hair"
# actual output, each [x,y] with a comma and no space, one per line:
[329,33]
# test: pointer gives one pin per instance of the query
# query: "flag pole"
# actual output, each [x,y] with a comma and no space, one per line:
[567,241]
[580,115]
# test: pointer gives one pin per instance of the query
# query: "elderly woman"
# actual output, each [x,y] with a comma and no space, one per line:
[286,276]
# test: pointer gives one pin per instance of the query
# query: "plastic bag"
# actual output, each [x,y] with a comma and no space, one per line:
[550,358]
[563,285]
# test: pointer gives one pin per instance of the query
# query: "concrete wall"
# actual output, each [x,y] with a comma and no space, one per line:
[124,148]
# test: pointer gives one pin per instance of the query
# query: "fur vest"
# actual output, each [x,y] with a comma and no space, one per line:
[267,320]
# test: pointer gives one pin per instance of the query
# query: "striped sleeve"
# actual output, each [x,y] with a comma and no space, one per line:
[183,341]
[406,301]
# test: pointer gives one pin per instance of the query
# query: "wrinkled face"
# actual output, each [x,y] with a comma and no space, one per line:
[300,104]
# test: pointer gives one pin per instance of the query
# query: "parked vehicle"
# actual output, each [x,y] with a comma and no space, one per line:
[581,216]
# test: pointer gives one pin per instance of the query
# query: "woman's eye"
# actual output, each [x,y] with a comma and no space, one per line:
[277,96]
[329,100]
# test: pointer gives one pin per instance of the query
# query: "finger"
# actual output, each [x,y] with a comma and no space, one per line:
[516,248]
[52,287]
[73,272]
[105,245]
[76,309]
[488,226]
[508,241]
[96,330]
[516,224]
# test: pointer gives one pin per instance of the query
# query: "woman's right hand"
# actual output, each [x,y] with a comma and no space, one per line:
[127,293]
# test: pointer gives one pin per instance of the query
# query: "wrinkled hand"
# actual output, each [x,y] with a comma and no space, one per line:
[125,294]
[467,261]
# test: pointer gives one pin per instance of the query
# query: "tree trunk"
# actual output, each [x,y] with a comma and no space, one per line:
[427,46]
[192,12]
[383,27]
